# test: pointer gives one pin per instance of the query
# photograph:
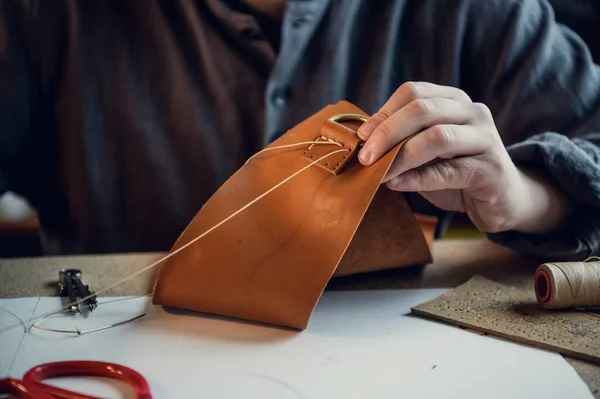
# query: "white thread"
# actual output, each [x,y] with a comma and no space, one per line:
[206,232]
[328,141]
[568,285]
[331,142]
[16,317]
[77,330]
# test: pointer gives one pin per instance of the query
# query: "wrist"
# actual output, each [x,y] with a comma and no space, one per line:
[544,207]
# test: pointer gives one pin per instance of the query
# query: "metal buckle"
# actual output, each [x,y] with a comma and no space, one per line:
[348,117]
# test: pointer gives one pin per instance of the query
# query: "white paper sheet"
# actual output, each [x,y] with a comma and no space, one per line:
[358,345]
[14,313]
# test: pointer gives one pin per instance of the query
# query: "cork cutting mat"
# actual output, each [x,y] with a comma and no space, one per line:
[29,277]
[511,313]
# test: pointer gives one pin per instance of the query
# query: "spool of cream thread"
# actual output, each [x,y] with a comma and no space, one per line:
[568,284]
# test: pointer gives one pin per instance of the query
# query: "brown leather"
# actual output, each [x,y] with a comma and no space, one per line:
[271,262]
[340,134]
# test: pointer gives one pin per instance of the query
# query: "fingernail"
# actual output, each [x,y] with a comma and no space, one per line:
[365,155]
[365,131]
[397,181]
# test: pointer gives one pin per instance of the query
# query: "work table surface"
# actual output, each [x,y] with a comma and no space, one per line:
[455,262]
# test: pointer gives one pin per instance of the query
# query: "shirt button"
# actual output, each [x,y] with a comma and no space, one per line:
[279,97]
[299,21]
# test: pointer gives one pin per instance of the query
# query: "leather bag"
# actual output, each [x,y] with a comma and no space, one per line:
[271,262]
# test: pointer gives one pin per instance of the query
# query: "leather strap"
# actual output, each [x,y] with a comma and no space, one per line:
[271,262]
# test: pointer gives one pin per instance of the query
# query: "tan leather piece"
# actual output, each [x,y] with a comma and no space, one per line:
[428,225]
[388,237]
[340,134]
[271,262]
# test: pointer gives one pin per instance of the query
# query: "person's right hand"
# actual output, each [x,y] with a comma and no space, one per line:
[457,160]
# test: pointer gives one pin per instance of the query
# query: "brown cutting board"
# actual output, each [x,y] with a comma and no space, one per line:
[514,314]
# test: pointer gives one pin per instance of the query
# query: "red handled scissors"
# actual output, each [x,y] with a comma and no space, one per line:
[32,387]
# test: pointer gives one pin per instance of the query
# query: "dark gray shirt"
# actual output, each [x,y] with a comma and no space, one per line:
[120,118]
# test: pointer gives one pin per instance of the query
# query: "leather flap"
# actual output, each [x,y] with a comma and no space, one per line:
[271,262]
[336,133]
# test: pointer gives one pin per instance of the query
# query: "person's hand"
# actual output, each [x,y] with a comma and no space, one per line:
[456,159]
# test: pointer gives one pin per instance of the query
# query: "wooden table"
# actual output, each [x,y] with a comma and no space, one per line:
[455,262]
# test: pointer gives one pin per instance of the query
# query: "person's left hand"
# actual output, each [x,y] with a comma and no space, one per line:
[457,160]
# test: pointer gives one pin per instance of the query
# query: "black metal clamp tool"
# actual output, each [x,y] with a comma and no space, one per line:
[71,287]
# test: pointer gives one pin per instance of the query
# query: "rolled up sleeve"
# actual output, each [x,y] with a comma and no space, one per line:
[574,167]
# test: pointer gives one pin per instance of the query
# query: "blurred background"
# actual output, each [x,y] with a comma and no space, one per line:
[19,226]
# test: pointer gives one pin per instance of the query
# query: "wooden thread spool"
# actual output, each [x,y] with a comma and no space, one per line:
[568,285]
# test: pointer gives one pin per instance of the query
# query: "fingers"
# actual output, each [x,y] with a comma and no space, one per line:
[458,174]
[411,119]
[405,94]
[439,141]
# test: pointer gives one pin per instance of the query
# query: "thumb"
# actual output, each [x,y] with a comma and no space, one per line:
[456,174]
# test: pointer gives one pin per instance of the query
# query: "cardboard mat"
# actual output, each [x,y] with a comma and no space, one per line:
[514,314]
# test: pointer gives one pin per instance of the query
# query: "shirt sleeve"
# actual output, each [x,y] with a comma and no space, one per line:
[543,88]
[15,89]
[573,164]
